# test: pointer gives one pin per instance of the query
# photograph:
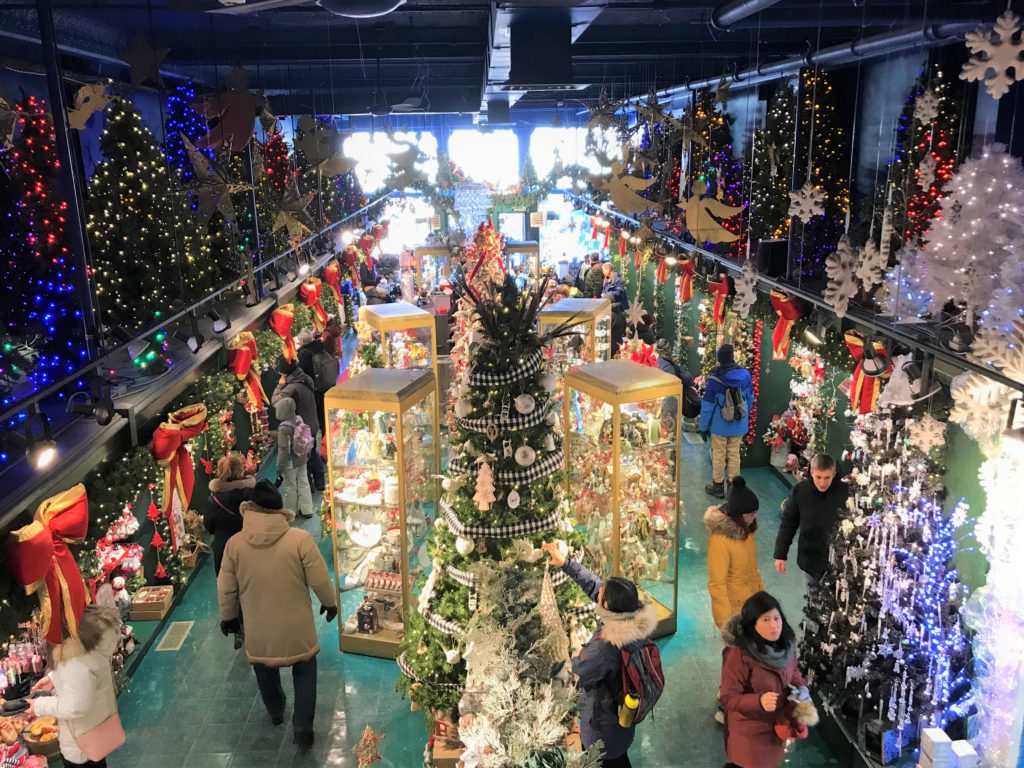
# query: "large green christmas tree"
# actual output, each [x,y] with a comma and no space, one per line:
[773,167]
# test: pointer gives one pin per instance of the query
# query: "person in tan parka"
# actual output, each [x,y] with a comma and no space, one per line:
[732,554]
[266,574]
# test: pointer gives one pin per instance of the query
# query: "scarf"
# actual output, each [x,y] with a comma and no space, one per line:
[772,655]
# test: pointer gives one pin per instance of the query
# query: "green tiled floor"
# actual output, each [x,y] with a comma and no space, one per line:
[198,706]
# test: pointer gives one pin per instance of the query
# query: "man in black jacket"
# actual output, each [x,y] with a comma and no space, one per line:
[815,507]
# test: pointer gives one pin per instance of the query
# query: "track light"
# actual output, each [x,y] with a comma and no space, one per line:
[221,322]
[101,405]
[347,237]
[137,348]
[40,453]
[192,338]
[304,267]
[292,274]
[274,275]
[962,339]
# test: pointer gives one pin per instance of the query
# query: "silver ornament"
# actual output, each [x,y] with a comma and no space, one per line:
[525,455]
[525,404]
[513,499]
[549,442]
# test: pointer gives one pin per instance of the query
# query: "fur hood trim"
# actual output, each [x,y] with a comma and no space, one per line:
[731,629]
[97,629]
[621,629]
[251,506]
[717,522]
[805,713]
[223,486]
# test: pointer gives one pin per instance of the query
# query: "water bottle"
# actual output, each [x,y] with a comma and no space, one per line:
[628,709]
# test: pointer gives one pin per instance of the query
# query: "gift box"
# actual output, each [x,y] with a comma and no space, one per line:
[964,755]
[935,744]
[151,603]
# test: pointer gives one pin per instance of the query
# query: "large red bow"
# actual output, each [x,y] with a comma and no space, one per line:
[39,558]
[624,235]
[242,358]
[366,244]
[721,292]
[332,276]
[168,448]
[788,308]
[309,293]
[645,355]
[687,269]
[864,389]
[661,272]
[281,320]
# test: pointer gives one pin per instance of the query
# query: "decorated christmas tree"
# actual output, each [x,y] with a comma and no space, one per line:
[503,495]
[883,639]
[183,121]
[773,167]
[276,161]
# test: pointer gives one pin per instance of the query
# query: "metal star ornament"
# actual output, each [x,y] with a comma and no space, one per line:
[602,114]
[292,215]
[722,92]
[635,314]
[144,60]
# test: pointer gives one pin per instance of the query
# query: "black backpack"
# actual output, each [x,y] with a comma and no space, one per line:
[734,407]
[326,368]
[691,400]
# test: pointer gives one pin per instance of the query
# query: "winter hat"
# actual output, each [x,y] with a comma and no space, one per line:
[265,495]
[284,409]
[741,499]
[663,348]
[726,355]
[286,366]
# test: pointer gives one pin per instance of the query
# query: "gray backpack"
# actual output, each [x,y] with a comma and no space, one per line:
[734,407]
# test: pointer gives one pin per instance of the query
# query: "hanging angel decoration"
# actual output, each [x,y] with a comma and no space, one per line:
[703,215]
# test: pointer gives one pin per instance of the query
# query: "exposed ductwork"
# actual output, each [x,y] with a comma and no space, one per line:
[727,14]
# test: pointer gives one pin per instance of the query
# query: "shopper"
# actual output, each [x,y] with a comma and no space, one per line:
[760,685]
[298,385]
[228,490]
[614,288]
[82,684]
[291,464]
[267,573]
[725,415]
[670,405]
[814,507]
[320,362]
[624,622]
[732,553]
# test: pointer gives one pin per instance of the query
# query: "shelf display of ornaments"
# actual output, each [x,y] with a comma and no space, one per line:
[432,267]
[406,334]
[382,466]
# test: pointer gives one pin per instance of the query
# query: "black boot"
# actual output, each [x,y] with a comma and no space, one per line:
[715,489]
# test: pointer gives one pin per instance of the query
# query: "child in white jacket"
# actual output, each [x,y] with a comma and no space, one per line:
[82,682]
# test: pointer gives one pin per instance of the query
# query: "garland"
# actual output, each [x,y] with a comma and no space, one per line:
[755,374]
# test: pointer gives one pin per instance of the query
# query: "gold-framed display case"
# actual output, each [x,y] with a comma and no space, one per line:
[407,334]
[525,254]
[622,474]
[383,459]
[432,266]
[594,318]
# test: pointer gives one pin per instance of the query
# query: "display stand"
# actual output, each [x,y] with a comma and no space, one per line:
[594,318]
[525,253]
[431,266]
[407,334]
[622,477]
[383,461]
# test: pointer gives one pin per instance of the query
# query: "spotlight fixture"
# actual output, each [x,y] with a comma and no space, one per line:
[192,338]
[221,321]
[304,267]
[41,453]
[272,273]
[137,348]
[962,339]
[815,334]
[292,274]
[100,406]
[875,362]
[347,237]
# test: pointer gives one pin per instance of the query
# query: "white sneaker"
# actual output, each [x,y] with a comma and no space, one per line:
[720,717]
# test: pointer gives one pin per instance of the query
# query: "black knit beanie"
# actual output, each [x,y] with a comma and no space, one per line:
[726,355]
[741,500]
[286,366]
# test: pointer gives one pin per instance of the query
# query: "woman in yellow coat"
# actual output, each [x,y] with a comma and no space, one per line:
[732,554]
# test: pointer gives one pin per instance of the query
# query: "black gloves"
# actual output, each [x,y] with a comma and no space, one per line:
[329,613]
[280,479]
[705,435]
[230,626]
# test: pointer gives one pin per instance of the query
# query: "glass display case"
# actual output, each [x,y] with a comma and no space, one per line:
[431,267]
[623,474]
[407,334]
[594,318]
[523,258]
[382,462]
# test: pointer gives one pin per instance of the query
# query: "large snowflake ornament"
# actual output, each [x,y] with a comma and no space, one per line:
[980,408]
[926,108]
[807,202]
[997,49]
[926,172]
[927,433]
[841,267]
[746,289]
[872,265]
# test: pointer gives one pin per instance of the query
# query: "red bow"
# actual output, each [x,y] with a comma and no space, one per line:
[332,276]
[788,308]
[624,236]
[366,245]
[309,293]
[281,320]
[661,272]
[864,389]
[168,448]
[39,558]
[687,269]
[721,292]
[645,355]
[242,355]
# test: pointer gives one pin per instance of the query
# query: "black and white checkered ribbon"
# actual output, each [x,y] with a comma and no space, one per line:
[550,464]
[529,367]
[403,665]
[467,579]
[512,423]
[443,626]
[513,531]
[580,612]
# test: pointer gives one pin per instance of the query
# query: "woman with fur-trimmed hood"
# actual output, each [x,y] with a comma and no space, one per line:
[82,682]
[624,622]
[765,699]
[228,490]
[733,575]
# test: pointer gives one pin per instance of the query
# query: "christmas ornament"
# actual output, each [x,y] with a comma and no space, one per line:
[926,107]
[484,495]
[624,190]
[525,404]
[926,172]
[462,408]
[452,656]
[703,216]
[788,309]
[525,455]
[169,449]
[144,60]
[872,265]
[807,202]
[635,314]
[549,442]
[841,267]
[464,546]
[998,49]
[746,289]
[513,499]
[602,114]
[404,173]
[292,214]
[548,382]
[89,99]
[233,112]
[927,433]
[367,751]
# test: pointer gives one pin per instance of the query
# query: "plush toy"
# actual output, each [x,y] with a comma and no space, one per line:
[122,600]
[796,715]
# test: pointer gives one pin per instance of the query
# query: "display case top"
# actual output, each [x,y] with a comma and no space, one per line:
[623,381]
[583,309]
[523,246]
[395,317]
[395,386]
[432,249]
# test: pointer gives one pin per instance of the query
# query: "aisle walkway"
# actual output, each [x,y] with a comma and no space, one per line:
[198,707]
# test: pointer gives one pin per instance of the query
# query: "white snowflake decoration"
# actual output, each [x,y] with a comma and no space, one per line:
[746,289]
[980,409]
[872,264]
[841,267]
[926,108]
[927,433]
[995,49]
[807,202]
[926,172]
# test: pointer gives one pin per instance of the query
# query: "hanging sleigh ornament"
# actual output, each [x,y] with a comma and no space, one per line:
[873,364]
[788,309]
[720,290]
[687,269]
[525,456]
[525,404]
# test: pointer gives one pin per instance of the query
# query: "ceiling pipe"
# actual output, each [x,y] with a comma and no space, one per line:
[727,14]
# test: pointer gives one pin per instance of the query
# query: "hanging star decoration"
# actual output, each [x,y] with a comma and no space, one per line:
[926,172]
[998,49]
[292,215]
[927,433]
[268,120]
[841,267]
[703,215]
[623,190]
[722,92]
[231,114]
[652,110]
[315,139]
[335,166]
[367,751]
[8,119]
[404,172]
[144,60]
[807,202]
[89,99]
[603,114]
[214,187]
[926,107]
[259,161]
[635,314]
[872,265]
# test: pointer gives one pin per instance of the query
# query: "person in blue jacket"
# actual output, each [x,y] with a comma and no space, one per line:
[624,622]
[725,435]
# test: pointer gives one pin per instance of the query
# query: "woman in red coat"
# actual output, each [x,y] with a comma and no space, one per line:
[762,690]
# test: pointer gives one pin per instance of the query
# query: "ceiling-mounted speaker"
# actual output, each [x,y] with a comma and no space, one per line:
[541,49]
[498,112]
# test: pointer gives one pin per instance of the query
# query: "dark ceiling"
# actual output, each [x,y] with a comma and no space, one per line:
[456,57]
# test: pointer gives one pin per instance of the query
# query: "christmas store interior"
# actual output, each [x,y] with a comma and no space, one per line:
[547,384]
